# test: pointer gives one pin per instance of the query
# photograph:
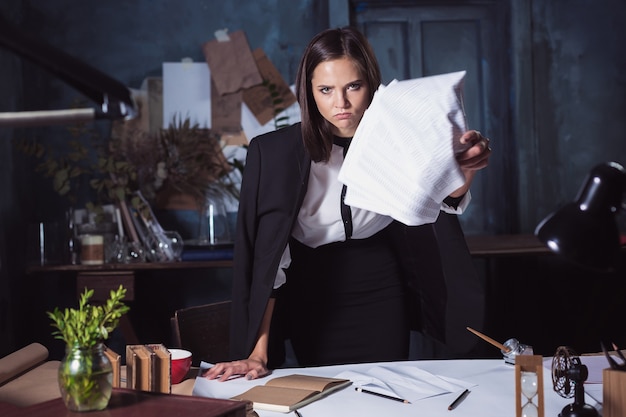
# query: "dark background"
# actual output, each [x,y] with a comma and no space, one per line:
[556,110]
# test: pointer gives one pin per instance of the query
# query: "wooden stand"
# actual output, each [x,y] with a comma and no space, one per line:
[528,363]
[613,393]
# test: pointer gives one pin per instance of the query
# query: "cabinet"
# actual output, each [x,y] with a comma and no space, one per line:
[135,277]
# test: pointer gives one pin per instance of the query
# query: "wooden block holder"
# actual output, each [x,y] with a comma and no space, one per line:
[613,393]
[528,363]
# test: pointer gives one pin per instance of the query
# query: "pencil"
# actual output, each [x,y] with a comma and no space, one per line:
[458,399]
[378,394]
[489,340]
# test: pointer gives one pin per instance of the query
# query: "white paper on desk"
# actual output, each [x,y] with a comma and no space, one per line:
[213,388]
[401,161]
[407,382]
[187,93]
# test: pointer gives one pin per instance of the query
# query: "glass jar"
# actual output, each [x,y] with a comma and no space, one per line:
[515,348]
[213,225]
[85,378]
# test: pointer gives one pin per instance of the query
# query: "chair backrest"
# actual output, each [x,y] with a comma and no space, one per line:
[203,330]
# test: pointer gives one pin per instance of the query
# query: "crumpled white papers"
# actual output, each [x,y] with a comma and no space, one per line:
[401,161]
[406,382]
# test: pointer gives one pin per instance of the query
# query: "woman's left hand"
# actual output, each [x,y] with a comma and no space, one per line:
[475,158]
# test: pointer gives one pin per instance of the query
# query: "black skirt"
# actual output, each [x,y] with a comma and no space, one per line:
[346,303]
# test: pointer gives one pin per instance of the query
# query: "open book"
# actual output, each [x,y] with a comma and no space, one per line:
[287,393]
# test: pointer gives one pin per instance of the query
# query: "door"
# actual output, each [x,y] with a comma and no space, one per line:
[420,38]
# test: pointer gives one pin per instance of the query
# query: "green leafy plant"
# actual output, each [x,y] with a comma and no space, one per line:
[84,373]
[89,324]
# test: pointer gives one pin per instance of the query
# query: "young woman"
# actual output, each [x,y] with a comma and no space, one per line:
[343,284]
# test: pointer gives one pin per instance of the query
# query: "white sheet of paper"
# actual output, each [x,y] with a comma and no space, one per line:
[406,382]
[401,161]
[187,93]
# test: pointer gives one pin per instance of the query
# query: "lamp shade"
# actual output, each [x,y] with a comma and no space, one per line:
[585,230]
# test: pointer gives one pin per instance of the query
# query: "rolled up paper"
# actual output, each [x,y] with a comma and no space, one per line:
[21,361]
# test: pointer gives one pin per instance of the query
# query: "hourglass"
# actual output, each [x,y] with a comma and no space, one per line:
[528,383]
[529,386]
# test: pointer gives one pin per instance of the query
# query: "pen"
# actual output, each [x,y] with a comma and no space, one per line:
[389,397]
[489,340]
[458,399]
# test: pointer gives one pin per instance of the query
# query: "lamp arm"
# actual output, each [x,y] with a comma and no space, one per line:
[114,98]
[46,117]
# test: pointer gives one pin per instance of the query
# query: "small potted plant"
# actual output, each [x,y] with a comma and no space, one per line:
[85,373]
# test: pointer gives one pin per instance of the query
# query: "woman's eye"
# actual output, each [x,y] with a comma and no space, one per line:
[354,86]
[325,90]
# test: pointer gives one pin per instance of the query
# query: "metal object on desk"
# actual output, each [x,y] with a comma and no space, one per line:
[510,349]
[568,377]
[513,349]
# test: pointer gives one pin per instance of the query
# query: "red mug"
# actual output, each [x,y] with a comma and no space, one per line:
[181,363]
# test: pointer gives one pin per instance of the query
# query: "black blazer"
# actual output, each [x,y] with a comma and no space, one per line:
[435,259]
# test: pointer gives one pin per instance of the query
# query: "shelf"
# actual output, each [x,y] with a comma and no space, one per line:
[226,263]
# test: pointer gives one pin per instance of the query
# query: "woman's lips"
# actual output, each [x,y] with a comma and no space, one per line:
[343,116]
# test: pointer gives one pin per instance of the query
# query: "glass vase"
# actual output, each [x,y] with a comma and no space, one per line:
[213,222]
[85,378]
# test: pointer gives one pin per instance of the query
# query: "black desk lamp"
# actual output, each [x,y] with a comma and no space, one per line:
[585,230]
[114,98]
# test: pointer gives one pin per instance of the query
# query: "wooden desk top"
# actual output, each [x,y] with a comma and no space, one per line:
[131,403]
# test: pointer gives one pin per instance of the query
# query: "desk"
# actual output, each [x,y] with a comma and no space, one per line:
[506,245]
[130,403]
[493,396]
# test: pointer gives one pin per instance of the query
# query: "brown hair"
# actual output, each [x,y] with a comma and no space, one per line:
[329,45]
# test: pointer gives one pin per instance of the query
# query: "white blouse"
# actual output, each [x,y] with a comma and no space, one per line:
[319,221]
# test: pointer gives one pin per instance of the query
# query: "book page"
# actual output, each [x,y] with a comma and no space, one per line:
[306,382]
[275,398]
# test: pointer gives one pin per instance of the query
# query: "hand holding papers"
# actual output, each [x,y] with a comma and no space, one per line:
[401,161]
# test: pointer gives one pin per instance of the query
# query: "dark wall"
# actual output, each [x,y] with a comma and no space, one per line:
[10,99]
[568,97]
[130,40]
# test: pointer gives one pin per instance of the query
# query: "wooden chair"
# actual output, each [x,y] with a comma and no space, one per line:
[203,330]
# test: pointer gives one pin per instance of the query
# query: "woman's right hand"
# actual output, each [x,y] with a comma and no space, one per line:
[250,368]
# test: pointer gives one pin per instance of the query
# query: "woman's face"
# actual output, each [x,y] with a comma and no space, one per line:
[341,94]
